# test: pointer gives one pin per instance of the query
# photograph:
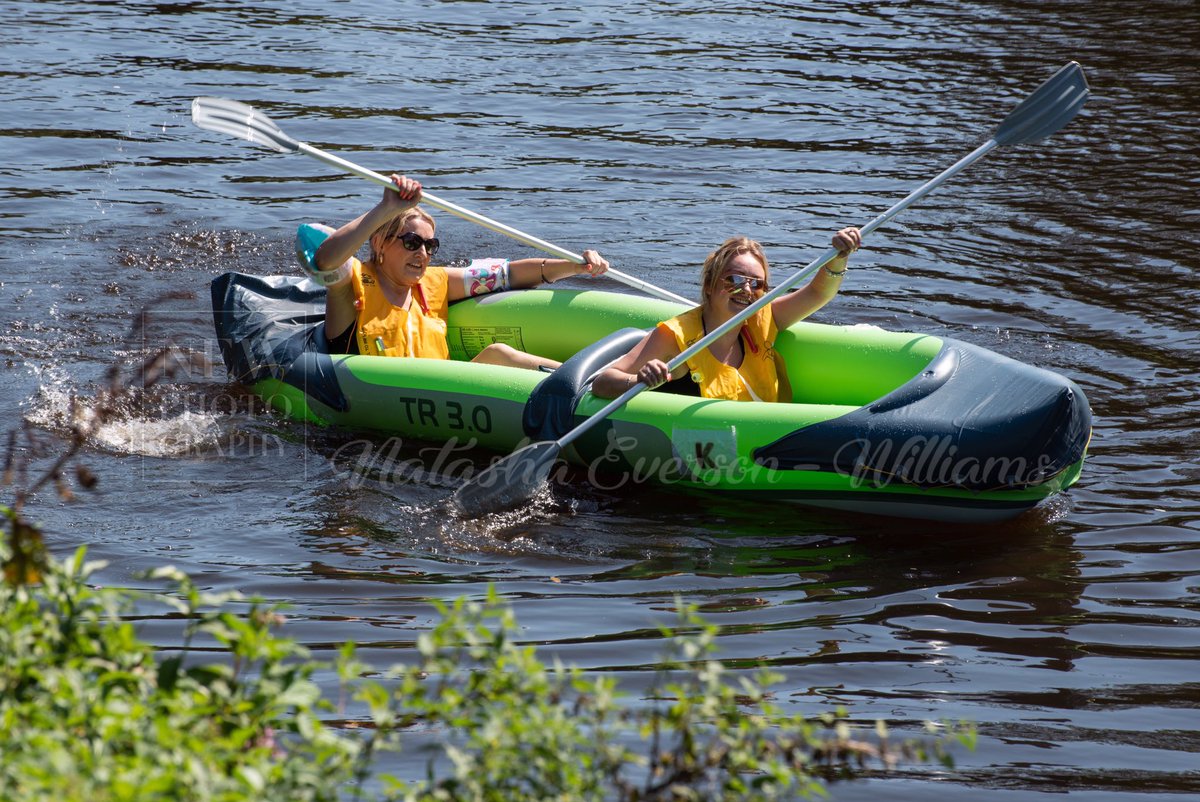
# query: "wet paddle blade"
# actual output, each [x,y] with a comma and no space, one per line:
[508,483]
[1051,106]
[245,122]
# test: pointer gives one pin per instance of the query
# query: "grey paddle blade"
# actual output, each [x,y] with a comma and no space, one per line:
[508,483]
[245,122]
[1051,106]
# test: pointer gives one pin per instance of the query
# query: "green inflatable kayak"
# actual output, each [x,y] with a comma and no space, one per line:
[882,422]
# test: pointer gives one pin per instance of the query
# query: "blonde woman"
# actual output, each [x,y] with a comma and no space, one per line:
[395,303]
[742,364]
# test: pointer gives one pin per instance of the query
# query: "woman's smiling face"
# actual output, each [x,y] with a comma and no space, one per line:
[401,264]
[741,283]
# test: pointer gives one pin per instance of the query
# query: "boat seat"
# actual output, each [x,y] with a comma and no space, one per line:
[550,411]
[273,327]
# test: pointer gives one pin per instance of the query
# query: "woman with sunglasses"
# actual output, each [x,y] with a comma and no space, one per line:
[395,303]
[741,365]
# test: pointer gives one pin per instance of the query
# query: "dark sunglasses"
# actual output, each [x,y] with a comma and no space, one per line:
[744,284]
[413,241]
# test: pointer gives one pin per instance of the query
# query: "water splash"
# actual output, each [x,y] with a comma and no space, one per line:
[145,424]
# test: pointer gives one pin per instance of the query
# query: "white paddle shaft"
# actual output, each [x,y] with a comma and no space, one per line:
[487,222]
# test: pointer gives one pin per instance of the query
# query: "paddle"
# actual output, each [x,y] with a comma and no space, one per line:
[245,122]
[515,478]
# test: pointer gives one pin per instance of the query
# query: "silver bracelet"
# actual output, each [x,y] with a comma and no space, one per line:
[836,275]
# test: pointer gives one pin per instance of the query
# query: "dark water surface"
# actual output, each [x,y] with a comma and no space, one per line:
[652,131]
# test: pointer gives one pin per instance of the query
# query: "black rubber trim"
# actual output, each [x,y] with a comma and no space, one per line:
[550,411]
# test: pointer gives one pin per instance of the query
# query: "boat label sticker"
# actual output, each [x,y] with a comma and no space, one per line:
[707,455]
[476,338]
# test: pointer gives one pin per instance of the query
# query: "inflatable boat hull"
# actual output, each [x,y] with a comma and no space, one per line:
[884,422]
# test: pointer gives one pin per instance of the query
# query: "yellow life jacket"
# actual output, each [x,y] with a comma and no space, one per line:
[762,375]
[386,330]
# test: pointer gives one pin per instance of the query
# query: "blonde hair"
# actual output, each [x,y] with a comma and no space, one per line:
[388,232]
[719,259]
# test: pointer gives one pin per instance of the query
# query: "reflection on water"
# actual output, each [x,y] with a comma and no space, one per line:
[653,131]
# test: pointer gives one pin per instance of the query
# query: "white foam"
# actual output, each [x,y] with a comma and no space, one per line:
[176,434]
[184,434]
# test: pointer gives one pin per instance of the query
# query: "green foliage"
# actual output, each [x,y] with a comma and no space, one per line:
[90,712]
[514,727]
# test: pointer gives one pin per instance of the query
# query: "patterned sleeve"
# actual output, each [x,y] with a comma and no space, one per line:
[485,275]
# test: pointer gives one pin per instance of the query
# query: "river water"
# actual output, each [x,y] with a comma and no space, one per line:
[652,131]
